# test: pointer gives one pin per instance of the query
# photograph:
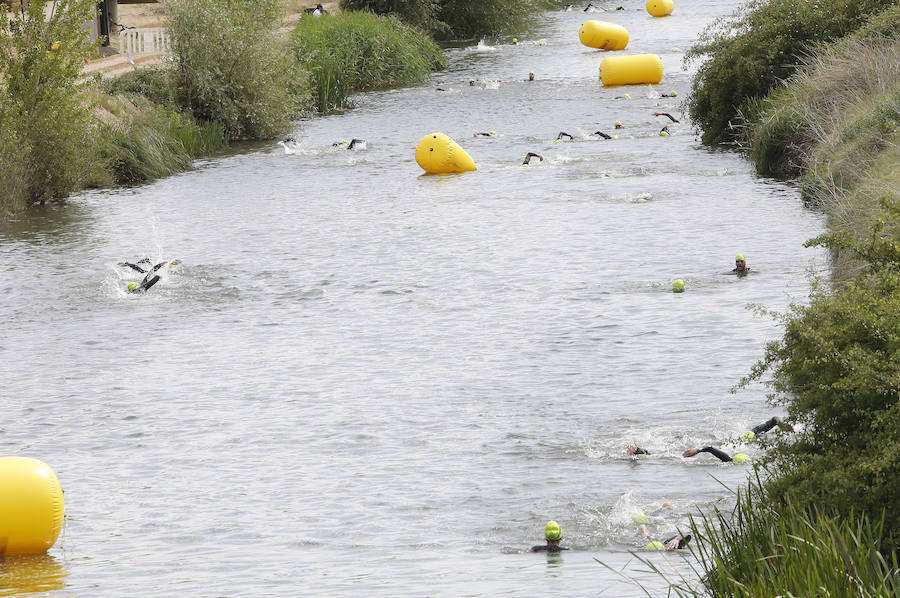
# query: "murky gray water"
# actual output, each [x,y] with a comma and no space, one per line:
[363,381]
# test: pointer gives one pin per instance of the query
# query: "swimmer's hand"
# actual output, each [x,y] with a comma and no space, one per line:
[672,544]
[690,453]
[631,448]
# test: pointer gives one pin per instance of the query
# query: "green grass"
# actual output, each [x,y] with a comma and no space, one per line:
[769,547]
[355,51]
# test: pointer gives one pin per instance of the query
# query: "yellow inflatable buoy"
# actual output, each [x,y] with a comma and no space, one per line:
[438,154]
[603,36]
[31,506]
[638,69]
[660,8]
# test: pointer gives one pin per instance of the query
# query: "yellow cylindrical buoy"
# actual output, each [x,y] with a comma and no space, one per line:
[660,8]
[603,35]
[31,506]
[638,69]
[438,154]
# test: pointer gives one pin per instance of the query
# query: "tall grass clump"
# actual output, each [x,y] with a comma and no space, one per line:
[356,51]
[757,47]
[771,547]
[231,69]
[447,19]
[154,142]
[44,122]
[153,83]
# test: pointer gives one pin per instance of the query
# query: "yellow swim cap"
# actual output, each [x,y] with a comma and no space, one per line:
[132,286]
[739,258]
[552,531]
[749,435]
[655,545]
[639,517]
[740,458]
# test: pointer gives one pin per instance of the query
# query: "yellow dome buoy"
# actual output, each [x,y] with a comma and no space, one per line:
[660,8]
[31,506]
[438,154]
[638,69]
[603,35]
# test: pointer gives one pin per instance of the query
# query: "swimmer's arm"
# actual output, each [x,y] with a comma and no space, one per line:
[146,284]
[721,456]
[133,267]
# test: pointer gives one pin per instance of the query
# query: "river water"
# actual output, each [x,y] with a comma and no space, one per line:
[364,381]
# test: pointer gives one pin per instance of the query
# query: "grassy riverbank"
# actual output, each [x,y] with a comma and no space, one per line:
[824,515]
[60,133]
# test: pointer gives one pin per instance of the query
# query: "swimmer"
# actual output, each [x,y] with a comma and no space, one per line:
[740,266]
[619,124]
[357,144]
[553,535]
[531,155]
[664,132]
[601,134]
[671,94]
[672,118]
[488,134]
[135,266]
[563,134]
[471,82]
[633,449]
[531,76]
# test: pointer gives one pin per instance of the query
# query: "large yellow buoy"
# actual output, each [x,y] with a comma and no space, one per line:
[603,35]
[31,506]
[631,70]
[660,8]
[438,154]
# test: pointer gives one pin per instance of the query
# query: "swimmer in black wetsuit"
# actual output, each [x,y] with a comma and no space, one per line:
[740,266]
[749,435]
[672,118]
[531,155]
[602,134]
[150,278]
[553,535]
[633,449]
[563,134]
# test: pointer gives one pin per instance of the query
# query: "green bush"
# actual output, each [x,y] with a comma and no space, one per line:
[154,83]
[457,18]
[44,120]
[356,51]
[756,48]
[230,68]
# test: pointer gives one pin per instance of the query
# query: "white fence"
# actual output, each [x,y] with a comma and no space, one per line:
[150,40]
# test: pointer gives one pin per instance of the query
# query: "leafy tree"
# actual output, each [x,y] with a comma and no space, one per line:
[44,120]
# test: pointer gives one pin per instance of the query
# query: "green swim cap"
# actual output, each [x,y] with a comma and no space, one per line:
[552,532]
[739,258]
[678,286]
[515,41]
[618,122]
[673,93]
[749,435]
[615,136]
[132,286]
[492,132]
[740,458]
[663,133]
[627,96]
[639,517]
[655,545]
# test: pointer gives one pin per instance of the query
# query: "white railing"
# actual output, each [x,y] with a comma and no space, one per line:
[150,40]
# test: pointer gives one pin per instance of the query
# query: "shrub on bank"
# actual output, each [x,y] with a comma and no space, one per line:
[355,51]
[835,371]
[456,18]
[44,122]
[231,69]
[762,44]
